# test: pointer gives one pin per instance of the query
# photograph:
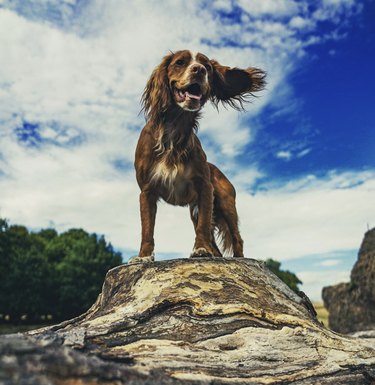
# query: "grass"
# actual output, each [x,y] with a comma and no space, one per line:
[322,313]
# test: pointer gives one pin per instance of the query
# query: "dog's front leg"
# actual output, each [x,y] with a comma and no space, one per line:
[148,205]
[202,245]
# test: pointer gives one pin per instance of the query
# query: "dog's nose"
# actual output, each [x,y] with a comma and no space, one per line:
[198,69]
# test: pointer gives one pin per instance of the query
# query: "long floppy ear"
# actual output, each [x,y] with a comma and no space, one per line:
[234,86]
[156,97]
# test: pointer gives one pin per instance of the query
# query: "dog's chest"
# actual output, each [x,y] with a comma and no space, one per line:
[174,181]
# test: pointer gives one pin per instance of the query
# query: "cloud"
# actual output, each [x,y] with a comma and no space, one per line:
[300,23]
[314,281]
[330,262]
[287,155]
[307,216]
[293,153]
[273,8]
[53,12]
[303,153]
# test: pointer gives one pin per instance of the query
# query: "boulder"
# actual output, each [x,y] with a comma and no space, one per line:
[190,321]
[351,305]
[363,273]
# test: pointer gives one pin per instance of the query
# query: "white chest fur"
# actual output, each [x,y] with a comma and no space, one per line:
[168,175]
[175,179]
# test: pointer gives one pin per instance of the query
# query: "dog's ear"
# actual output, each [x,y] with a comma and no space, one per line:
[234,86]
[156,97]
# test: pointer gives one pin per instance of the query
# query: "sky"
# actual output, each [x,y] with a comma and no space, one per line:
[301,157]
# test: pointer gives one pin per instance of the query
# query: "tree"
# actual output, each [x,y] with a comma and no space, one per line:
[285,275]
[49,273]
[82,261]
[22,273]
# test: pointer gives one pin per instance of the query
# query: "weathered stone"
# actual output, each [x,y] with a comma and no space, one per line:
[363,273]
[351,305]
[193,321]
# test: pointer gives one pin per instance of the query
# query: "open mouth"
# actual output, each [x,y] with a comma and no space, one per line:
[193,91]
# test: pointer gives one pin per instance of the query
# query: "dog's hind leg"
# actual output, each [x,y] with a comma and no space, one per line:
[203,225]
[226,213]
[194,219]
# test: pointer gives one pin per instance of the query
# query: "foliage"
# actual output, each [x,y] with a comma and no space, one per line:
[285,275]
[46,273]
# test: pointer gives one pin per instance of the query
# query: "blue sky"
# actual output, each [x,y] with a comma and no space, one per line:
[301,157]
[334,118]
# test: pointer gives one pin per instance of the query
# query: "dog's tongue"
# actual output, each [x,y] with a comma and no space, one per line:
[191,96]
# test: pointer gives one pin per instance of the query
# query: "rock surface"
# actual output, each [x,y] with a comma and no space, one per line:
[190,321]
[351,305]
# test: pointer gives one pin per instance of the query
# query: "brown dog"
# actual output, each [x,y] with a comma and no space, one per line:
[169,160]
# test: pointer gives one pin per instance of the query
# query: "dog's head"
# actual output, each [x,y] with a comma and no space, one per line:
[187,80]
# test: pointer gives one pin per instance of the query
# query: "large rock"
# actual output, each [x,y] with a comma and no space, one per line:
[363,273]
[190,321]
[351,305]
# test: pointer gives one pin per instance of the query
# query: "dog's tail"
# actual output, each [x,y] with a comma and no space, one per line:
[222,233]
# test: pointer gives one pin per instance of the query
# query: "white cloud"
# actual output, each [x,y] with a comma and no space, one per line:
[287,155]
[222,5]
[303,153]
[299,22]
[330,262]
[314,281]
[275,8]
[309,216]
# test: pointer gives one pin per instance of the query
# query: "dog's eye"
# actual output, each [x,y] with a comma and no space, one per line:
[208,67]
[180,62]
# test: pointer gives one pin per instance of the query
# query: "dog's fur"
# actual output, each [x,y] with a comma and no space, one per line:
[169,160]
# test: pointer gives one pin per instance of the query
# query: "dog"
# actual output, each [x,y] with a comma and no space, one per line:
[170,163]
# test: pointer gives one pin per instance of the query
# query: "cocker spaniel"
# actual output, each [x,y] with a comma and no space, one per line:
[169,160]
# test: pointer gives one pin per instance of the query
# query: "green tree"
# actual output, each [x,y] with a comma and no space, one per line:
[81,262]
[49,273]
[285,275]
[22,274]
[4,264]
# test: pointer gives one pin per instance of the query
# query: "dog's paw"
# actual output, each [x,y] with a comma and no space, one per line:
[233,256]
[200,252]
[138,259]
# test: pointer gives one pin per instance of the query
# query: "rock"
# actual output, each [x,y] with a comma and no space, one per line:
[351,305]
[191,321]
[28,361]
[363,273]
